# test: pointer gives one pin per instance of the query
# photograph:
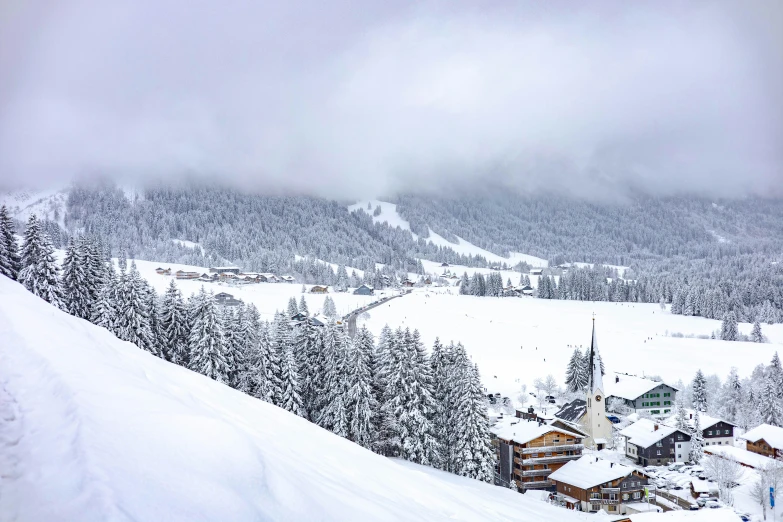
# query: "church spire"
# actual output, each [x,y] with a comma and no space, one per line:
[596,379]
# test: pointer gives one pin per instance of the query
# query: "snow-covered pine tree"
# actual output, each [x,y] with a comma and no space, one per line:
[682,421]
[95,269]
[731,396]
[104,310]
[153,306]
[279,342]
[442,363]
[389,381]
[174,326]
[39,273]
[697,440]
[342,279]
[361,403]
[249,325]
[729,330]
[291,397]
[333,415]
[329,309]
[427,448]
[770,406]
[473,454]
[303,306]
[775,373]
[464,286]
[76,298]
[233,342]
[205,342]
[700,392]
[293,309]
[10,262]
[132,321]
[756,336]
[574,371]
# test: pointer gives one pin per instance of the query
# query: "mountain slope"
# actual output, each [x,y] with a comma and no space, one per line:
[95,429]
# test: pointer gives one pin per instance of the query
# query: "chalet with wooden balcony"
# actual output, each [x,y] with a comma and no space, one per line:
[765,440]
[529,451]
[591,484]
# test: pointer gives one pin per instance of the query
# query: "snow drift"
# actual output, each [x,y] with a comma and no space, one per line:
[93,428]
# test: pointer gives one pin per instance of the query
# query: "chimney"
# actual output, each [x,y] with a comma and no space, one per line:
[596,459]
[691,416]
[616,378]
[530,409]
[655,427]
[611,464]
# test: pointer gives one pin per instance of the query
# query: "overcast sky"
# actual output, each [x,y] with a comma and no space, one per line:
[365,98]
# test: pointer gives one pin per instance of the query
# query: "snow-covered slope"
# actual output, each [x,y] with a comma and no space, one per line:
[390,215]
[94,429]
[48,204]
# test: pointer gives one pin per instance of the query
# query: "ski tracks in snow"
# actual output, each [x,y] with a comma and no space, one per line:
[45,467]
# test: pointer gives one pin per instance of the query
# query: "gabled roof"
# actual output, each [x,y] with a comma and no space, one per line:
[630,387]
[643,433]
[772,435]
[590,471]
[573,411]
[705,421]
[523,431]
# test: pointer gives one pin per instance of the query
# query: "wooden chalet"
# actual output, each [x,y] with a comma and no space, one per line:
[591,484]
[225,270]
[182,274]
[529,451]
[765,440]
[163,271]
[318,289]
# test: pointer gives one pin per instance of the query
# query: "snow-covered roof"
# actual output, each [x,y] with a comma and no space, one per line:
[629,387]
[705,421]
[573,411]
[743,456]
[772,435]
[643,433]
[523,431]
[590,471]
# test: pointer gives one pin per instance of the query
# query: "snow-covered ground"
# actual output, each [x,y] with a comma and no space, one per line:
[389,215]
[95,429]
[46,204]
[515,340]
[267,297]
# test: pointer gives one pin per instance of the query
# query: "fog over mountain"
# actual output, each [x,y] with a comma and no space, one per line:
[348,99]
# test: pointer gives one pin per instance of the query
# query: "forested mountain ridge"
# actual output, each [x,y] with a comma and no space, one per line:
[639,228]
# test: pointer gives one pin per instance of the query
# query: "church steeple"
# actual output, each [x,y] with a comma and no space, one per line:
[595,382]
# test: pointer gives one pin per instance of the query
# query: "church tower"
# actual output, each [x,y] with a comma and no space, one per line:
[595,423]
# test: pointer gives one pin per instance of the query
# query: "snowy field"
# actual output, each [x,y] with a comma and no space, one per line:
[267,297]
[95,429]
[515,340]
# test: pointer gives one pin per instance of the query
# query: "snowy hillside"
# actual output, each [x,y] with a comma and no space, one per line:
[390,216]
[97,429]
[46,204]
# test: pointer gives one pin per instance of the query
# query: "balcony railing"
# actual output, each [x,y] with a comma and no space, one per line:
[555,448]
[549,460]
[536,472]
[535,485]
[610,490]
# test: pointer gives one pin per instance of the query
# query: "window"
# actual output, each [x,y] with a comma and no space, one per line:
[657,452]
[679,446]
[671,440]
[655,412]
[667,403]
[709,432]
[667,394]
[667,411]
[727,432]
[679,455]
[636,494]
[679,436]
[658,444]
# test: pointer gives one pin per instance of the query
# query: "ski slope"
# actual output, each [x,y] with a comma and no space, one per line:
[389,215]
[516,340]
[95,429]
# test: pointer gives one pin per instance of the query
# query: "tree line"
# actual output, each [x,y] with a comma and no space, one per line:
[389,396]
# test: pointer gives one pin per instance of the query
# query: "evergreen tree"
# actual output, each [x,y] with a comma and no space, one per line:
[132,322]
[775,373]
[293,309]
[731,396]
[574,373]
[697,440]
[249,326]
[205,342]
[729,330]
[76,297]
[770,405]
[442,363]
[174,326]
[329,309]
[104,311]
[756,335]
[291,398]
[700,392]
[10,263]
[473,453]
[39,273]
[464,286]
[361,404]
[303,306]
[334,391]
[261,380]
[682,421]
[233,342]
[279,342]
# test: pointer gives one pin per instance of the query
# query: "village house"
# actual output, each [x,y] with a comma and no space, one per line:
[226,299]
[572,416]
[364,290]
[224,270]
[765,440]
[717,432]
[163,271]
[288,279]
[591,484]
[268,278]
[529,451]
[649,443]
[317,289]
[206,278]
[639,394]
[526,290]
[182,274]
[536,271]
[407,283]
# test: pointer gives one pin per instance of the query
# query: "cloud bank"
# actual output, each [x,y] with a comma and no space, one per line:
[358,99]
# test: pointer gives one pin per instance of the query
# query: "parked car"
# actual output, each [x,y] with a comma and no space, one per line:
[712,504]
[676,466]
[650,469]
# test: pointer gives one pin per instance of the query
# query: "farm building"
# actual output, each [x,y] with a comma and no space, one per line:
[364,290]
[317,289]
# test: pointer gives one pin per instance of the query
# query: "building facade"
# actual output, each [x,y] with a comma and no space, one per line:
[649,443]
[765,440]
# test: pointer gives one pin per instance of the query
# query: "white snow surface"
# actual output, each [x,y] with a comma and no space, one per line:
[46,204]
[95,429]
[703,515]
[705,421]
[628,386]
[743,456]
[523,431]
[772,435]
[516,340]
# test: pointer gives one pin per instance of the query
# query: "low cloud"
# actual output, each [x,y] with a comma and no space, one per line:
[361,99]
